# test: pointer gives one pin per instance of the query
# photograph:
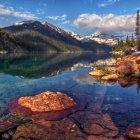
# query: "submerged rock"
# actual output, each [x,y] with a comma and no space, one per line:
[51,130]
[133,133]
[15,108]
[97,138]
[47,102]
[10,121]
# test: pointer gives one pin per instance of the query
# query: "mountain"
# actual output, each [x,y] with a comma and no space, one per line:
[34,36]
[97,37]
[38,37]
[8,43]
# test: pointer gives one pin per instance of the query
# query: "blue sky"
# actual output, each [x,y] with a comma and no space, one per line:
[81,16]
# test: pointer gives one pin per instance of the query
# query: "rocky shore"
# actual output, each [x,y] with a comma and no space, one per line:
[125,66]
[126,72]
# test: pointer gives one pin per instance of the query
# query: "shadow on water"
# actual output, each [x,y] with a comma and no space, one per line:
[35,66]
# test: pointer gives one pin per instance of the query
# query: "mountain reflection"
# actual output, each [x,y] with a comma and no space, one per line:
[36,66]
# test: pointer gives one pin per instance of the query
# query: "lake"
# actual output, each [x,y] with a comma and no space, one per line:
[105,110]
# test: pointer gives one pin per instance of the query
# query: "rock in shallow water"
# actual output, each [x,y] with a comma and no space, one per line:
[127,65]
[96,72]
[51,130]
[110,77]
[47,101]
[133,133]
[15,108]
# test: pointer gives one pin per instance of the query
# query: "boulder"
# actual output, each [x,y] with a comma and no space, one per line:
[111,69]
[127,81]
[127,67]
[47,102]
[111,77]
[96,72]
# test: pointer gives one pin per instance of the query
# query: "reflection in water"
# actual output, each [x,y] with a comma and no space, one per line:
[106,109]
[36,66]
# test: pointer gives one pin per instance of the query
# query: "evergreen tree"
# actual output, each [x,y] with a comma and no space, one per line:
[132,39]
[127,40]
[137,31]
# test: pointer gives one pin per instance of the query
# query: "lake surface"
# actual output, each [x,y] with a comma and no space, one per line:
[105,110]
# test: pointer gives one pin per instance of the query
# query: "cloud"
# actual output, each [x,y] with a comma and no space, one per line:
[106,23]
[11,12]
[107,3]
[40,12]
[66,22]
[58,18]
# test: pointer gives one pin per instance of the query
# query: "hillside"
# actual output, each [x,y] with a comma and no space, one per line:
[34,36]
[8,43]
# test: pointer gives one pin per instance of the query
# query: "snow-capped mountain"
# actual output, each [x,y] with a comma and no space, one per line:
[97,37]
[34,36]
[72,37]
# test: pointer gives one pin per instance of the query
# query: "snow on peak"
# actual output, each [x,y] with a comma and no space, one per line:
[98,33]
[18,23]
[24,22]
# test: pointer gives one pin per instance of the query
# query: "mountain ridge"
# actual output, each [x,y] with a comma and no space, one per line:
[34,36]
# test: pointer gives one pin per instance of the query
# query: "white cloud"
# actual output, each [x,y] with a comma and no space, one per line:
[66,22]
[58,18]
[106,23]
[11,12]
[107,3]
[40,12]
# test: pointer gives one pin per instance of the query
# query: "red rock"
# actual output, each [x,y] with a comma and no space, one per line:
[96,72]
[111,134]
[108,123]
[111,69]
[138,60]
[56,130]
[47,101]
[15,108]
[133,133]
[126,81]
[110,77]
[97,138]
[10,121]
[139,66]
[120,138]
[93,129]
[127,67]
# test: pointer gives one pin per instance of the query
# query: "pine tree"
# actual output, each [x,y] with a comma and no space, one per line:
[132,39]
[127,40]
[137,31]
